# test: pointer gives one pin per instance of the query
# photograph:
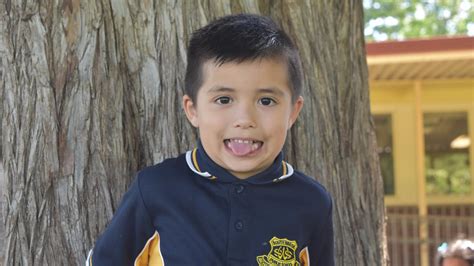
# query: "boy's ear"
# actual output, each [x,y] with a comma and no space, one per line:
[190,110]
[296,108]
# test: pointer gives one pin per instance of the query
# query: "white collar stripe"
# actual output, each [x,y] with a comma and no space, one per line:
[189,161]
[290,172]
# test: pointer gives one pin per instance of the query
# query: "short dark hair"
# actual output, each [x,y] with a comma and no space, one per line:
[460,248]
[239,38]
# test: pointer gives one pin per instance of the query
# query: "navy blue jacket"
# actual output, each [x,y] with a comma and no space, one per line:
[190,211]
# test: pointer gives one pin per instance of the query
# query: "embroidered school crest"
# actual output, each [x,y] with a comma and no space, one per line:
[282,253]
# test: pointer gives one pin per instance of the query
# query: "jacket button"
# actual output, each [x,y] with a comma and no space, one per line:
[239,225]
[239,189]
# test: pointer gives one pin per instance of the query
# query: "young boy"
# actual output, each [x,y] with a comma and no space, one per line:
[232,200]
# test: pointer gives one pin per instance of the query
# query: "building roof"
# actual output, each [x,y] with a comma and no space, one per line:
[421,59]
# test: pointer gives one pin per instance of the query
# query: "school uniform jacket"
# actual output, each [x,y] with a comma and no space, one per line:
[190,211]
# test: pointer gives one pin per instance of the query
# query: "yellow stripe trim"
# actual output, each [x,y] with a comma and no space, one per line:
[284,167]
[196,164]
[90,261]
[195,160]
[151,253]
[304,257]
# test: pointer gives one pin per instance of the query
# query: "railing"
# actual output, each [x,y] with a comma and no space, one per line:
[403,235]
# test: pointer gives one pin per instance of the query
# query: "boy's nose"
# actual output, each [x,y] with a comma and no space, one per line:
[245,118]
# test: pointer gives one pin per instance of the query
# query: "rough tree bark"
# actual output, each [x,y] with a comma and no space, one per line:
[92,93]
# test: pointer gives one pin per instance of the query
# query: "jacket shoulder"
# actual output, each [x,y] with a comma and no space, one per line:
[314,190]
[171,171]
[168,165]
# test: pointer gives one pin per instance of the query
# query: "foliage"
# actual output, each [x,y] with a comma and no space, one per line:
[404,19]
[448,173]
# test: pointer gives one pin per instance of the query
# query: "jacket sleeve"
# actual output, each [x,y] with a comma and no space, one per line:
[320,251]
[129,234]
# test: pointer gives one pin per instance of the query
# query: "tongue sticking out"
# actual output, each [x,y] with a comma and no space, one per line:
[242,148]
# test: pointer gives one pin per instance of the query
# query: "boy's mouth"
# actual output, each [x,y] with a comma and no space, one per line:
[243,147]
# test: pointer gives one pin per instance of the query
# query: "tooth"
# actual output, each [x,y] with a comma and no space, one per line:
[254,146]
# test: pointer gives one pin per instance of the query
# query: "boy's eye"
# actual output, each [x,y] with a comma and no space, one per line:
[266,101]
[223,100]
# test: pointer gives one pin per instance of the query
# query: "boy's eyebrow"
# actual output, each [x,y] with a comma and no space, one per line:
[270,90]
[220,89]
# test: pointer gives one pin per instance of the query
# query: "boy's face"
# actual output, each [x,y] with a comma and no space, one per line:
[243,112]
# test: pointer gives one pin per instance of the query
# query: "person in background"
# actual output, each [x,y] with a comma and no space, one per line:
[459,252]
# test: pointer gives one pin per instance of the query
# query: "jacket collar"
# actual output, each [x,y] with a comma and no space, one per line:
[201,164]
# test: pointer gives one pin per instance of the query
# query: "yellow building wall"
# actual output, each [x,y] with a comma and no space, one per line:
[398,99]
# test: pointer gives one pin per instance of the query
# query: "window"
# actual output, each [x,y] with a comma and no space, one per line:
[447,153]
[383,131]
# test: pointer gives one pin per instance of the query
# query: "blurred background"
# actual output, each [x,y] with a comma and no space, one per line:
[421,77]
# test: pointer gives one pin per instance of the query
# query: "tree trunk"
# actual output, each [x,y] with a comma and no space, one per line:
[92,93]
